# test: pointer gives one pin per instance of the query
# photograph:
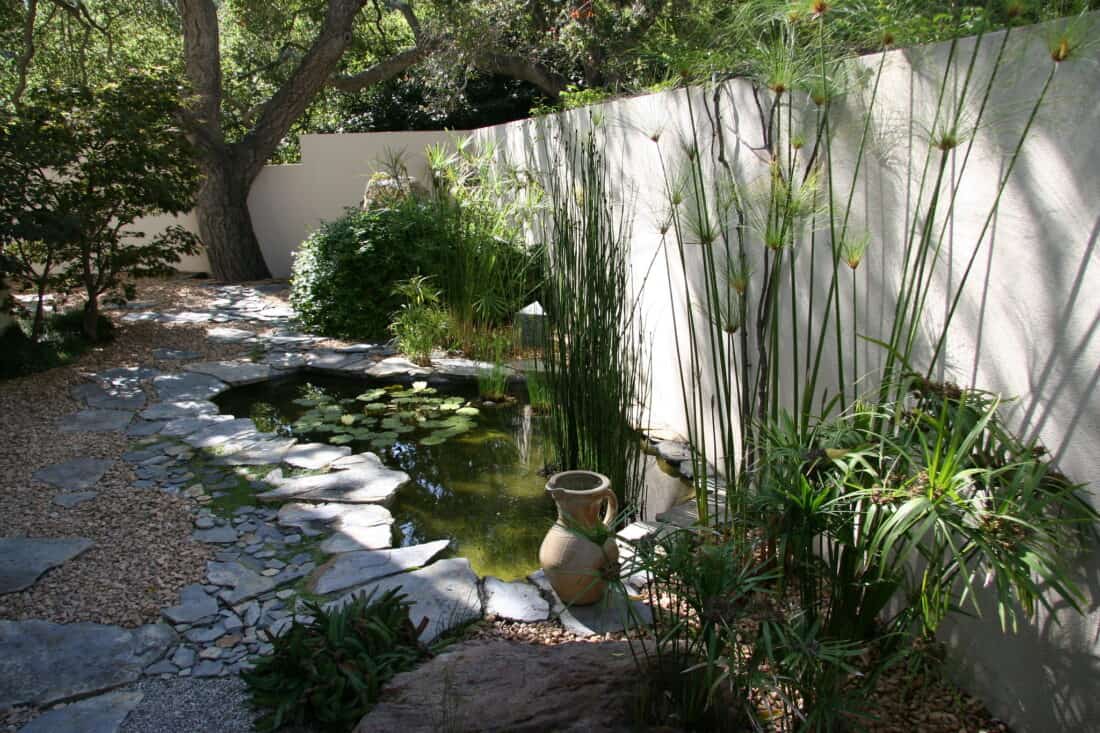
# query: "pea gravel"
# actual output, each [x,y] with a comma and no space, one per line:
[190,705]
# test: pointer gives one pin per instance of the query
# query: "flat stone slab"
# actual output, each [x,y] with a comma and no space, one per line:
[369,482]
[260,453]
[314,456]
[233,372]
[215,535]
[285,360]
[176,410]
[317,516]
[195,603]
[352,538]
[503,685]
[457,367]
[76,474]
[23,560]
[96,421]
[445,593]
[189,425]
[241,584]
[174,354]
[43,662]
[396,366]
[226,335]
[357,568]
[101,714]
[72,499]
[127,398]
[516,601]
[187,386]
[240,429]
[613,614]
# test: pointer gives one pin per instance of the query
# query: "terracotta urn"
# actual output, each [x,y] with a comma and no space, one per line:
[574,564]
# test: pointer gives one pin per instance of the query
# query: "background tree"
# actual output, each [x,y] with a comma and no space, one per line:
[78,167]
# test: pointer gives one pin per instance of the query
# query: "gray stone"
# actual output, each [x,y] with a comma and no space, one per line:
[162,667]
[204,522]
[233,372]
[613,614]
[331,361]
[144,428]
[194,604]
[208,668]
[575,687]
[284,360]
[543,583]
[24,559]
[353,538]
[260,453]
[239,430]
[72,499]
[316,516]
[396,366]
[228,335]
[215,535]
[205,634]
[188,317]
[313,456]
[43,662]
[466,368]
[101,714]
[176,410]
[184,657]
[128,398]
[674,451]
[356,568]
[187,386]
[517,601]
[241,583]
[96,421]
[445,593]
[76,474]
[175,354]
[370,482]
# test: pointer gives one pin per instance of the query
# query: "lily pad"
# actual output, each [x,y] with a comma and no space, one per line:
[379,443]
[434,439]
[341,439]
[372,395]
[468,411]
[307,402]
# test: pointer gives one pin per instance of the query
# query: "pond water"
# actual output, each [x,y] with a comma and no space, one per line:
[475,468]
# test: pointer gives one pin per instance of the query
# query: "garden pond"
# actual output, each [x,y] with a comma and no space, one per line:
[477,467]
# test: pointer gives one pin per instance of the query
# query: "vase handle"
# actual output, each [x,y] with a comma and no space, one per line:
[612,509]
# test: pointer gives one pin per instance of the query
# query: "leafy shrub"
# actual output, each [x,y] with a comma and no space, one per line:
[421,324]
[343,276]
[62,341]
[330,671]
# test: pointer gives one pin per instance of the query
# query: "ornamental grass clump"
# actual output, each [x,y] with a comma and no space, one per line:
[328,673]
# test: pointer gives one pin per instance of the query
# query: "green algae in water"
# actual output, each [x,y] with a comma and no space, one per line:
[474,468]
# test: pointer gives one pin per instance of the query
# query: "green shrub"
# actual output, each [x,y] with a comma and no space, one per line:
[343,275]
[61,343]
[330,672]
[421,324]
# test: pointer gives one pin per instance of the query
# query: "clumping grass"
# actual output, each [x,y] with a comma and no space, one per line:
[539,394]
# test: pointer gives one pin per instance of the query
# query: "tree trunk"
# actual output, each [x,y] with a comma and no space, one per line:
[91,318]
[225,226]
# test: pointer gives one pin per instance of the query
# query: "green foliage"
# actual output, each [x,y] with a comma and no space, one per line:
[329,672]
[344,273]
[421,324]
[592,357]
[61,341]
[78,166]
[539,394]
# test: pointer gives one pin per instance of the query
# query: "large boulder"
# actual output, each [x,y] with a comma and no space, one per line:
[499,685]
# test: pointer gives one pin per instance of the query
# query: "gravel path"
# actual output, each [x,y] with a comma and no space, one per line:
[191,705]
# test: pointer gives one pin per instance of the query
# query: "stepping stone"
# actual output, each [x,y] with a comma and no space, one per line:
[332,361]
[144,428]
[445,593]
[613,614]
[317,516]
[354,538]
[188,425]
[23,560]
[96,421]
[356,568]
[516,601]
[176,410]
[455,367]
[102,714]
[396,366]
[195,603]
[141,317]
[314,456]
[226,335]
[125,377]
[76,474]
[43,663]
[70,500]
[241,583]
[188,317]
[215,535]
[285,360]
[233,372]
[116,399]
[369,482]
[240,429]
[174,354]
[188,386]
[261,453]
